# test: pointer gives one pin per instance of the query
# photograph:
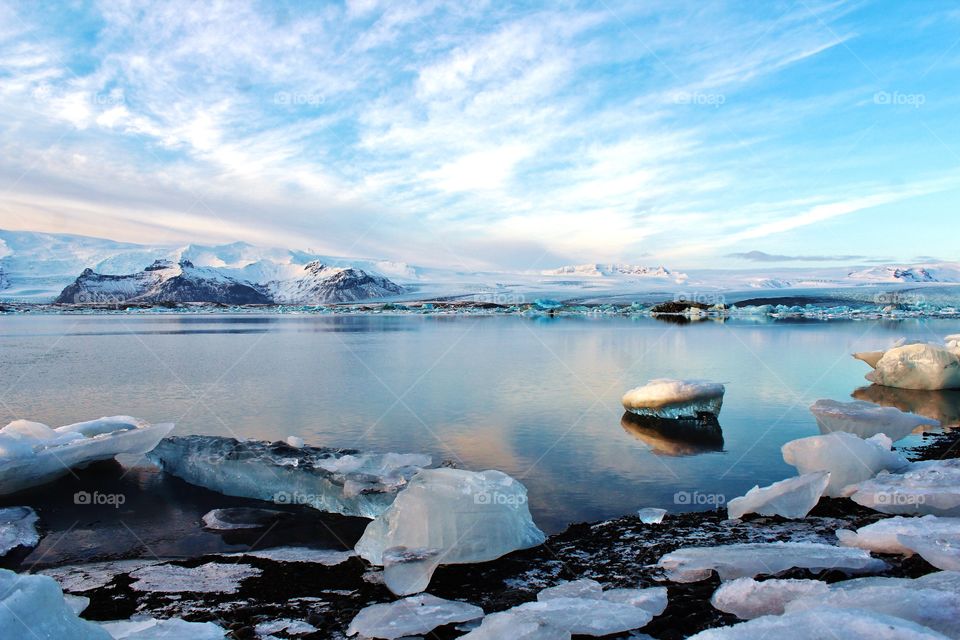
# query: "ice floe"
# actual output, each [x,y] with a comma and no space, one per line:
[790,498]
[147,628]
[32,453]
[849,459]
[865,419]
[931,487]
[448,516]
[673,399]
[326,479]
[915,366]
[883,536]
[32,606]
[18,528]
[414,615]
[212,577]
[747,560]
[86,577]
[327,557]
[849,624]
[747,598]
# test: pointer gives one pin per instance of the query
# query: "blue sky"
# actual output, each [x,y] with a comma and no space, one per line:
[490,134]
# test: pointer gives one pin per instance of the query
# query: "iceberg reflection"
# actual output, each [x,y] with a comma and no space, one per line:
[674,437]
[942,404]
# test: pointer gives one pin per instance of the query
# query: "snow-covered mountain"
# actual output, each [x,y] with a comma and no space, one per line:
[928,273]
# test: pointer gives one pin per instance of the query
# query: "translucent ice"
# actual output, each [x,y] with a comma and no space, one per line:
[666,398]
[916,366]
[33,606]
[849,459]
[147,628]
[326,479]
[942,550]
[419,614]
[18,528]
[931,487]
[32,453]
[790,498]
[849,624]
[651,515]
[449,516]
[866,419]
[212,577]
[747,598]
[883,536]
[692,564]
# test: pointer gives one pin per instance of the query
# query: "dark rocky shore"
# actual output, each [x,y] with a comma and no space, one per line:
[618,553]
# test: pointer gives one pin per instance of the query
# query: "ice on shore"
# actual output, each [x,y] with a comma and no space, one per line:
[18,528]
[675,399]
[415,615]
[747,560]
[849,459]
[32,453]
[651,515]
[883,536]
[33,606]
[747,598]
[233,518]
[147,628]
[448,516]
[849,624]
[212,577]
[942,550]
[581,607]
[326,479]
[915,366]
[790,498]
[307,555]
[925,488]
[865,419]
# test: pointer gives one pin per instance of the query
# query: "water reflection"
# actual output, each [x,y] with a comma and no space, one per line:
[942,405]
[674,438]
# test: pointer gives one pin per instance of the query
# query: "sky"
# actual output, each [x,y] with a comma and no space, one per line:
[490,135]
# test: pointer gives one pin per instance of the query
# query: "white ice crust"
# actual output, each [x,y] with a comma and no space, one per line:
[790,498]
[415,615]
[667,398]
[849,459]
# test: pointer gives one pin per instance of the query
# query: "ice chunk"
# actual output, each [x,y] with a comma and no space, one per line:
[931,487]
[212,577]
[466,516]
[849,459]
[583,588]
[651,515]
[32,453]
[326,479]
[790,498]
[866,419]
[415,615]
[147,628]
[672,399]
[408,571]
[917,366]
[653,599]
[883,536]
[33,606]
[747,599]
[295,441]
[241,518]
[328,557]
[849,624]
[940,550]
[870,357]
[18,528]
[692,564]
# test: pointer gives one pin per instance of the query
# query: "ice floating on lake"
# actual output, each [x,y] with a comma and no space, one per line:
[651,515]
[747,598]
[18,528]
[931,487]
[147,628]
[915,366]
[33,606]
[326,479]
[790,498]
[415,615]
[32,453]
[449,516]
[674,399]
[884,536]
[849,459]
[849,624]
[692,564]
[865,419]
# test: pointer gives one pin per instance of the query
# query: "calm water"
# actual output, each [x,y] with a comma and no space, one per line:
[537,398]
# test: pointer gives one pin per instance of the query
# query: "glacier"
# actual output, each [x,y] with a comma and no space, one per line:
[32,453]
[848,458]
[18,528]
[448,516]
[925,488]
[675,399]
[790,498]
[332,480]
[415,615]
[865,419]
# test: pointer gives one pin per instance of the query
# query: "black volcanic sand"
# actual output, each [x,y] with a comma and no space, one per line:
[618,553]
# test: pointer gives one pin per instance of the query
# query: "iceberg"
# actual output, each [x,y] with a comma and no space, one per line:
[448,516]
[415,615]
[790,498]
[884,536]
[675,399]
[748,560]
[849,459]
[747,598]
[925,488]
[33,606]
[915,366]
[811,624]
[18,528]
[331,480]
[865,419]
[32,453]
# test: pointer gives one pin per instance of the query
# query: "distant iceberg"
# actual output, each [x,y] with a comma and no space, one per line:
[675,399]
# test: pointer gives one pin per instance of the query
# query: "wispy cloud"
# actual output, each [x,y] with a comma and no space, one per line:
[761,256]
